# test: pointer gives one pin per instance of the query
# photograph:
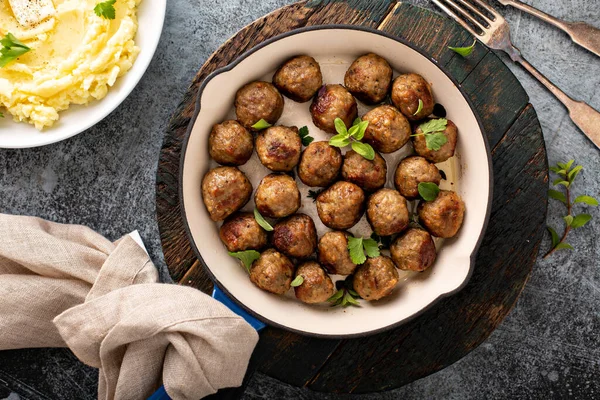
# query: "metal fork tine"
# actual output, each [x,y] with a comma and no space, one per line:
[491,9]
[475,10]
[455,17]
[466,15]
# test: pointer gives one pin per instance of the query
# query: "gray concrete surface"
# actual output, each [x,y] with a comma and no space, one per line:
[547,347]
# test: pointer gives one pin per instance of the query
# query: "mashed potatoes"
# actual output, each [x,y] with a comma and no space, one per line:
[75,58]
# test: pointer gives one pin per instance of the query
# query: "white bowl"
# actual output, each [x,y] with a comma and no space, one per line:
[151,16]
[469,173]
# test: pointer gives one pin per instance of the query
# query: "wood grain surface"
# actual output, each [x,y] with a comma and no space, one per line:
[454,326]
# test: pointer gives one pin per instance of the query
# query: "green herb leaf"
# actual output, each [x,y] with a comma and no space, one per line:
[246,257]
[306,139]
[362,127]
[364,149]
[106,9]
[560,181]
[434,125]
[428,190]
[556,195]
[568,220]
[349,300]
[574,172]
[353,293]
[355,247]
[262,221]
[568,165]
[463,51]
[261,124]
[1,115]
[555,169]
[313,194]
[419,108]
[298,281]
[580,220]
[371,248]
[340,127]
[337,296]
[589,200]
[555,238]
[340,140]
[564,245]
[435,141]
[12,48]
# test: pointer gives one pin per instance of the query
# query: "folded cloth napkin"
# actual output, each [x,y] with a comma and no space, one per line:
[67,286]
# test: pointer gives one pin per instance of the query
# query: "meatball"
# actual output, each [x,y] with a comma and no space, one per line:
[341,206]
[296,236]
[388,129]
[299,78]
[230,143]
[256,101]
[407,90]
[414,170]
[224,191]
[241,232]
[414,250]
[272,272]
[277,196]
[279,147]
[376,278]
[320,164]
[331,102]
[443,216]
[369,78]
[387,212]
[445,152]
[317,286]
[369,175]
[334,255]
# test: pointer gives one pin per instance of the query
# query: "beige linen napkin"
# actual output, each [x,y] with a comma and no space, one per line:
[67,286]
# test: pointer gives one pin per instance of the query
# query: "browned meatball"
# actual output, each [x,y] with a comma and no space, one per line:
[369,175]
[445,152]
[414,250]
[230,143]
[272,272]
[296,236]
[279,147]
[443,216]
[241,232]
[388,129]
[224,191]
[299,78]
[331,102]
[406,92]
[387,212]
[369,78]
[317,286]
[277,196]
[341,206]
[376,278]
[334,255]
[414,170]
[256,101]
[320,164]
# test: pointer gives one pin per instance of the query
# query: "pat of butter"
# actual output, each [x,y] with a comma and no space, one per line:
[32,12]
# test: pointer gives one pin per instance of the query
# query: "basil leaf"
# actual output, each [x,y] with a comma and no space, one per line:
[435,141]
[298,281]
[340,127]
[261,124]
[12,48]
[589,200]
[428,190]
[580,220]
[246,257]
[364,149]
[463,51]
[262,221]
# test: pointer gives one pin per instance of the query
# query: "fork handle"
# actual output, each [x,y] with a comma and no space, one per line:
[585,35]
[581,113]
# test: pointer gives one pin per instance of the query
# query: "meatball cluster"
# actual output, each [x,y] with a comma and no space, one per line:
[280,235]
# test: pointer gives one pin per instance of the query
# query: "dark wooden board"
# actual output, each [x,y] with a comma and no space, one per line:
[454,326]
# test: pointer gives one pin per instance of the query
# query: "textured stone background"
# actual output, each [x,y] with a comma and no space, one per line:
[547,347]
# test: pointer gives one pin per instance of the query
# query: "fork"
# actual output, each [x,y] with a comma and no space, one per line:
[494,32]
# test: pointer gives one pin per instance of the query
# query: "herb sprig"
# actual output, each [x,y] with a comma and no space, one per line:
[464,51]
[261,124]
[246,257]
[12,48]
[433,130]
[360,248]
[306,139]
[353,136]
[106,9]
[428,190]
[566,176]
[345,296]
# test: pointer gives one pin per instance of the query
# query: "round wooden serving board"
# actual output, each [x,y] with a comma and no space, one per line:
[455,325]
